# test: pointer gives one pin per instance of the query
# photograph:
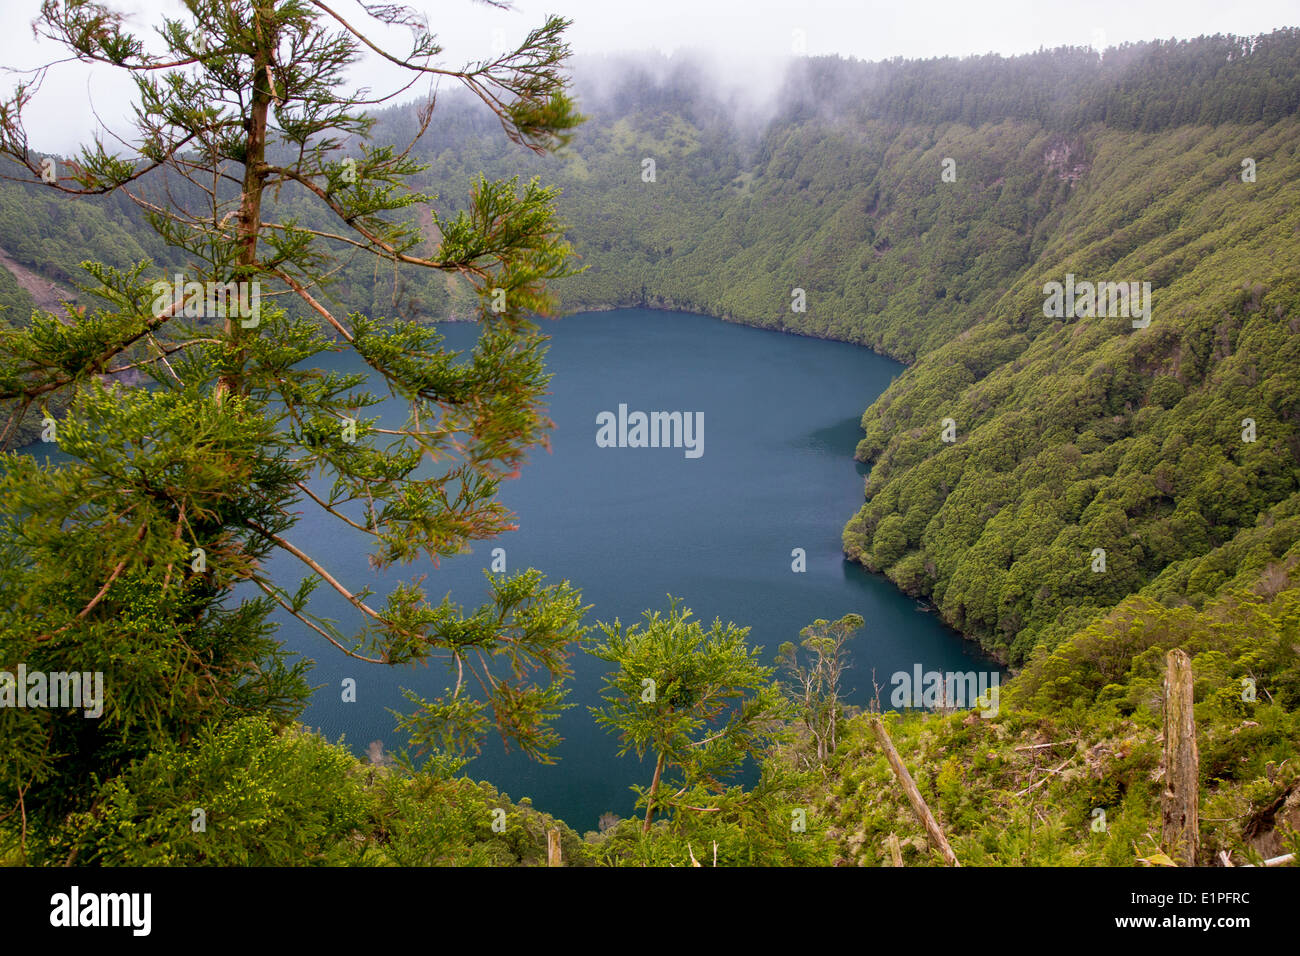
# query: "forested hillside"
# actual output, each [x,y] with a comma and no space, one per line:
[1084,434]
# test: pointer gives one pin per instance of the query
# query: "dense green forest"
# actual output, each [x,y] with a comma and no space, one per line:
[921,207]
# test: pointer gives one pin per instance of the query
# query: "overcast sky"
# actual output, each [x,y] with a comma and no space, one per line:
[734,30]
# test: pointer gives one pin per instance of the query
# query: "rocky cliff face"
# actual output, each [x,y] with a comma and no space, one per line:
[1067,159]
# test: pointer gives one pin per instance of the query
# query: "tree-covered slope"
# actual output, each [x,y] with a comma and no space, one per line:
[1073,435]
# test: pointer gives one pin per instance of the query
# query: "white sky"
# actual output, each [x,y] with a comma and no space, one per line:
[733,30]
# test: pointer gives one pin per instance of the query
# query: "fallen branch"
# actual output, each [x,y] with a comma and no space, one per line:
[914,795]
[1054,743]
[1043,780]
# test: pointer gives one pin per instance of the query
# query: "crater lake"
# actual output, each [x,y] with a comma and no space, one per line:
[715,525]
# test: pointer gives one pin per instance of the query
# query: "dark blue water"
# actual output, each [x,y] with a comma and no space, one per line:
[628,526]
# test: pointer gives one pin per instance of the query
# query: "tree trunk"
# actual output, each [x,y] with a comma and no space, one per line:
[1179,804]
[835,722]
[250,205]
[654,789]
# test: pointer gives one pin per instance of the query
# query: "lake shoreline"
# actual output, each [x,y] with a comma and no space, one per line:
[663,306]
[666,305]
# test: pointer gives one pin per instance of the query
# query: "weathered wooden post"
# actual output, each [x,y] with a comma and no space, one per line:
[553,855]
[895,851]
[1180,819]
[913,794]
